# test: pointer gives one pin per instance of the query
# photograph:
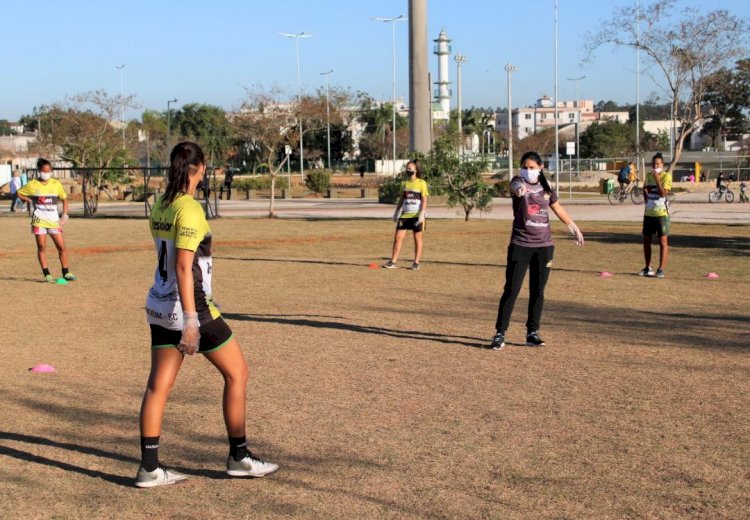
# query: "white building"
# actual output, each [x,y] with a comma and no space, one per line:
[530,120]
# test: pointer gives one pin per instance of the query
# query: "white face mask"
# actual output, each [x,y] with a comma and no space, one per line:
[531,176]
[658,170]
[45,175]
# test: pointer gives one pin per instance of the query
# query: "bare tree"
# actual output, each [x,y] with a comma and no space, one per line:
[685,47]
[82,129]
[263,124]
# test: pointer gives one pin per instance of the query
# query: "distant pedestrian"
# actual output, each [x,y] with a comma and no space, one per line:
[656,218]
[361,172]
[15,185]
[530,247]
[743,191]
[228,179]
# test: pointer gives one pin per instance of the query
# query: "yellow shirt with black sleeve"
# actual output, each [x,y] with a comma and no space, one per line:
[412,192]
[44,198]
[180,225]
[656,205]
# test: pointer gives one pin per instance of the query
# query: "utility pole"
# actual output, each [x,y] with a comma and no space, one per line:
[297,37]
[169,125]
[460,59]
[121,68]
[328,112]
[557,121]
[578,122]
[420,112]
[510,69]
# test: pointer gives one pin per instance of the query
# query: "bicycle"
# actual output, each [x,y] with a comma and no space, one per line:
[619,194]
[723,191]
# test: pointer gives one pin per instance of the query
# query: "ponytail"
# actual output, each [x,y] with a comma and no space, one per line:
[183,160]
[543,180]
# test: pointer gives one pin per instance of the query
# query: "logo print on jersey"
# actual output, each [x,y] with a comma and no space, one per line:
[533,209]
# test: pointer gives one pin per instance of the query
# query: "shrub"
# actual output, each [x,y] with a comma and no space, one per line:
[389,191]
[262,182]
[318,181]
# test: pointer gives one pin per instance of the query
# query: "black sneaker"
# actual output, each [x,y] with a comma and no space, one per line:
[498,341]
[533,339]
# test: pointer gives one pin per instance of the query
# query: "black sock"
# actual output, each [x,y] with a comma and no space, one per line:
[65,271]
[45,271]
[150,453]
[238,447]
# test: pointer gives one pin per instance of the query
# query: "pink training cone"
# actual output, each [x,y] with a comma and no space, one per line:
[42,368]
[712,275]
[606,274]
[373,266]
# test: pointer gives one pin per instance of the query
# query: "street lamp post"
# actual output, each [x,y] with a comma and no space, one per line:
[297,37]
[510,69]
[121,68]
[392,21]
[169,125]
[557,121]
[328,112]
[578,122]
[460,59]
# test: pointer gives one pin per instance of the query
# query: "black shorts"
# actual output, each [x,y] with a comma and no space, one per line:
[214,335]
[656,226]
[410,224]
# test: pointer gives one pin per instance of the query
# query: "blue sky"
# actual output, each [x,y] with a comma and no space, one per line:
[208,52]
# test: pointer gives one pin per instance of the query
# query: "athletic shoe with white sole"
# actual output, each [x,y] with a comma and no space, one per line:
[414,266]
[250,466]
[498,341]
[70,277]
[646,271]
[660,273]
[390,265]
[48,278]
[159,477]
[533,339]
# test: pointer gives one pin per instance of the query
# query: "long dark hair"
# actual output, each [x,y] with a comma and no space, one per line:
[183,160]
[537,159]
[417,165]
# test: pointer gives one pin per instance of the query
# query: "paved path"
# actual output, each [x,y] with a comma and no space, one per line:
[687,207]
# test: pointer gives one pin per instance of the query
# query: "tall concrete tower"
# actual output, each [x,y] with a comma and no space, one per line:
[443,51]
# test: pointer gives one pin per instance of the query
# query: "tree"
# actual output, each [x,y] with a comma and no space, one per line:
[608,139]
[378,127]
[263,126]
[81,130]
[207,125]
[685,47]
[727,100]
[460,179]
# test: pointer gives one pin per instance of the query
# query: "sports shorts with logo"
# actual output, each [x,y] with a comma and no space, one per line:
[656,226]
[410,224]
[214,335]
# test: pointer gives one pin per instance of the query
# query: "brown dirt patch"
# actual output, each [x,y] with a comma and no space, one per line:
[366,384]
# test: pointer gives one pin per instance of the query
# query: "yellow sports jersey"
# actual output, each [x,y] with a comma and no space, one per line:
[44,196]
[181,225]
[656,205]
[412,191]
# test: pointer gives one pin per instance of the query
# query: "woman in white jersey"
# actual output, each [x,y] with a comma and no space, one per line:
[184,320]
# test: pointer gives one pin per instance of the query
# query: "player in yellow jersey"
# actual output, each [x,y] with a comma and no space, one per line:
[656,218]
[43,194]
[410,214]
[184,320]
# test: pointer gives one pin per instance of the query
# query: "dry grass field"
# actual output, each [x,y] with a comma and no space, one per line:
[368,388]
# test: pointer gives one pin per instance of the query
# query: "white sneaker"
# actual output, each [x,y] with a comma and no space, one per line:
[159,477]
[250,466]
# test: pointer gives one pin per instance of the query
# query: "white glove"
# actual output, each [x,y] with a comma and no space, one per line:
[191,335]
[577,235]
[420,217]
[397,214]
[63,219]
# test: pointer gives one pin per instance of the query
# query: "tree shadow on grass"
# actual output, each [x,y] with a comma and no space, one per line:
[296,321]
